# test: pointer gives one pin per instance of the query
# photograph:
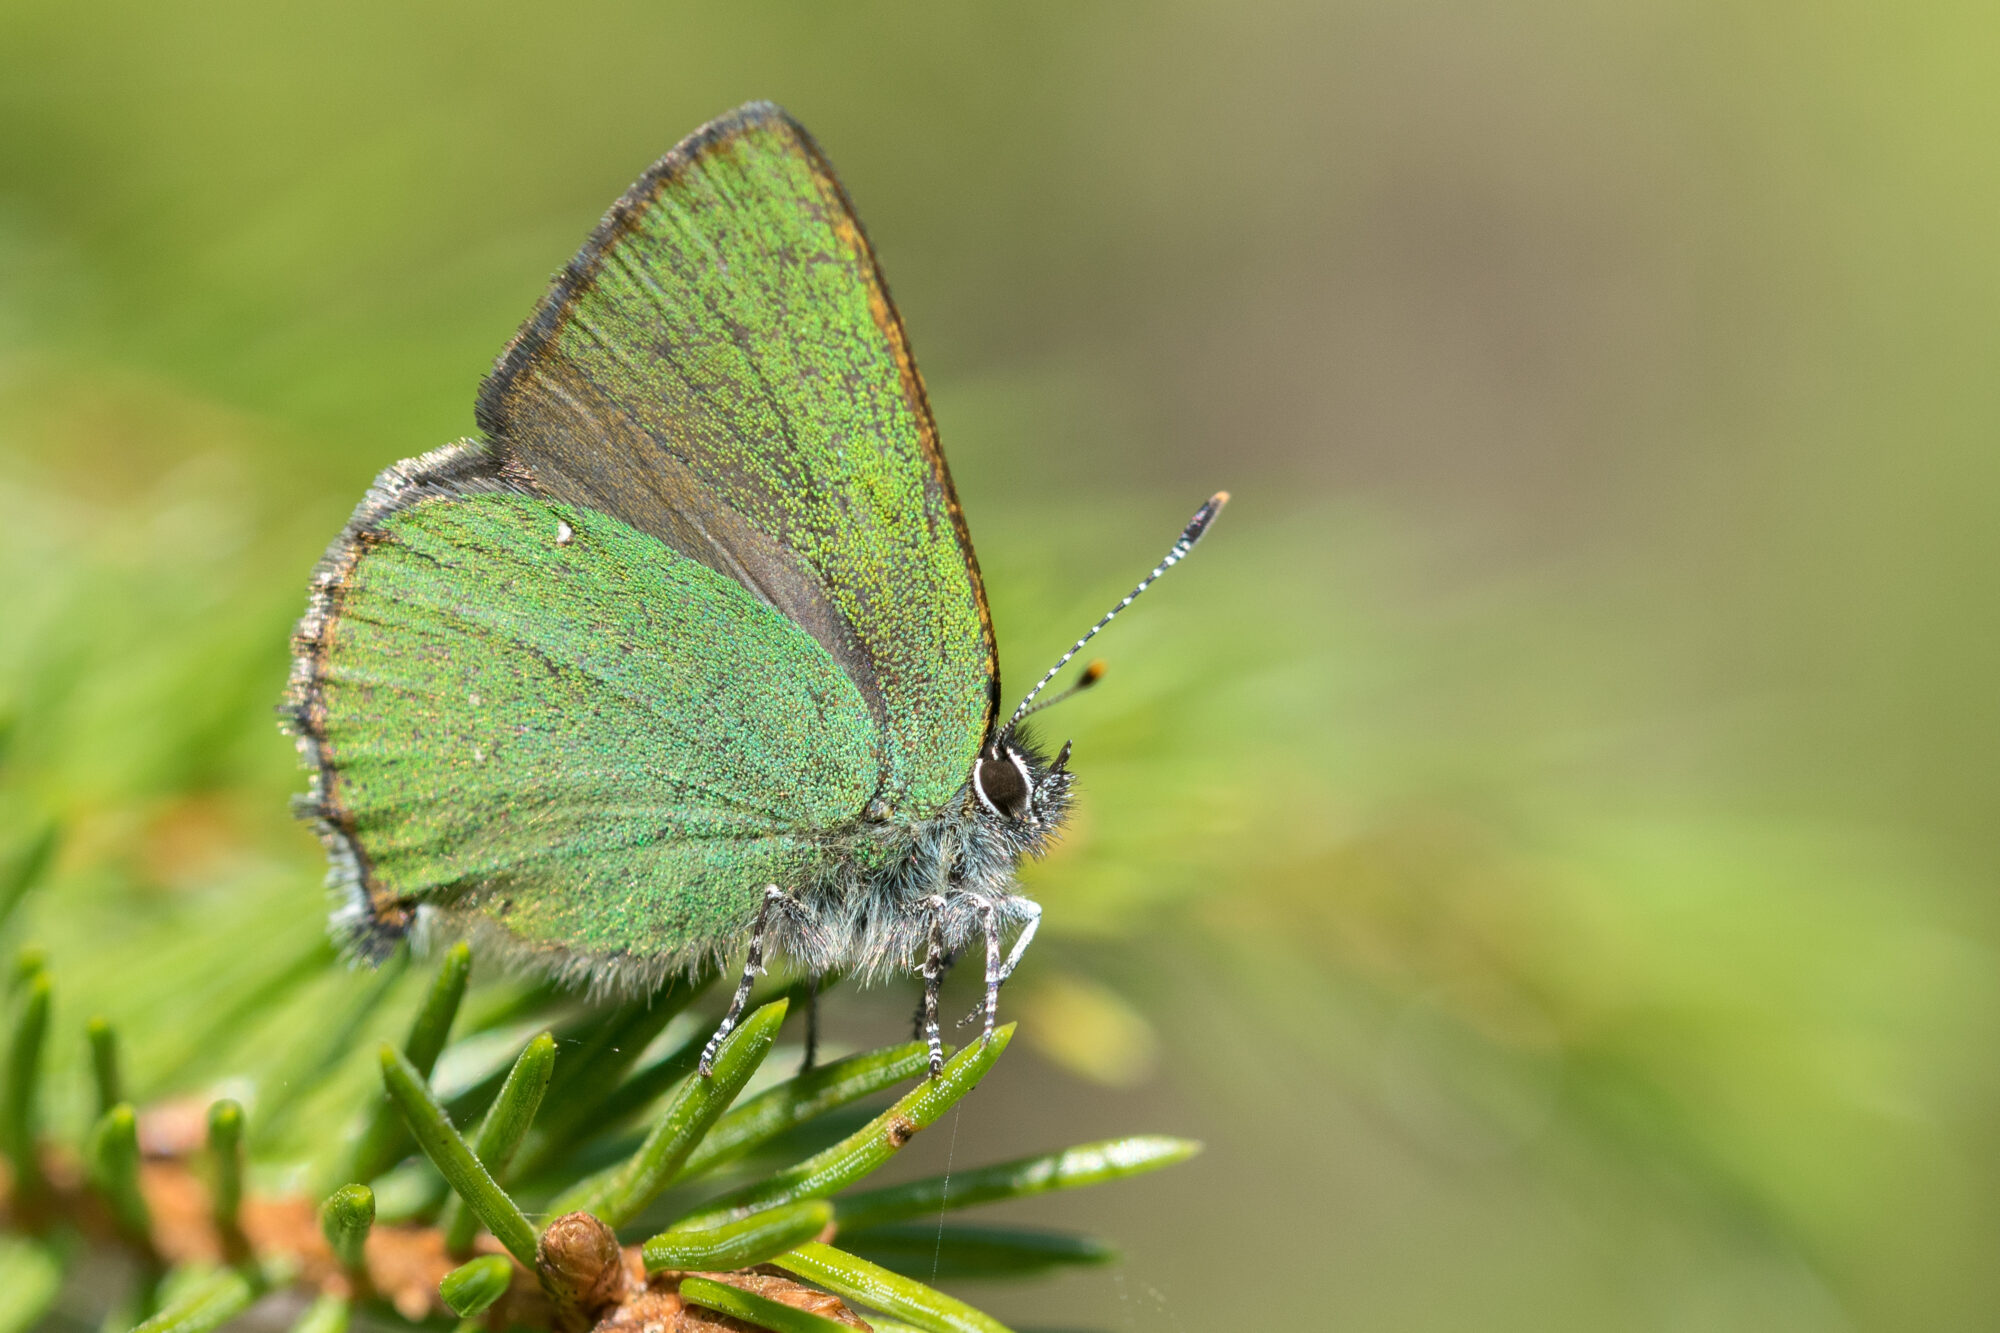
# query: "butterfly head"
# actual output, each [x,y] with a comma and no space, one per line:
[1010,780]
[1015,784]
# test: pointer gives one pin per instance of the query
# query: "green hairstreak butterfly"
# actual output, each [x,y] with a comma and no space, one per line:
[689,654]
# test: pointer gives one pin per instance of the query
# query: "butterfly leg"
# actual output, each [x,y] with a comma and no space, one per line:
[773,897]
[990,919]
[1033,911]
[936,963]
[917,1018]
[994,981]
[812,1023]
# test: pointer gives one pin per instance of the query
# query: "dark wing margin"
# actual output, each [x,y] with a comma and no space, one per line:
[367,918]
[683,374]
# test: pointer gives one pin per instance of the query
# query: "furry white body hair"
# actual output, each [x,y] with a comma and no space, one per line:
[941,876]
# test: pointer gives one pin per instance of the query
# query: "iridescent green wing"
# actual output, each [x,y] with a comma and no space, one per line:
[529,714]
[721,367]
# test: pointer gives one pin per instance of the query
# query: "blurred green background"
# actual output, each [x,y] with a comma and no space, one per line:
[1544,842]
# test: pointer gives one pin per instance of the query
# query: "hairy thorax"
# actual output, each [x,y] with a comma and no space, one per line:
[866,917]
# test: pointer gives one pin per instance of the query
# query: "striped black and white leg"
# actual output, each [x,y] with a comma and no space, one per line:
[936,963]
[994,981]
[753,967]
[989,917]
[1033,911]
[917,1015]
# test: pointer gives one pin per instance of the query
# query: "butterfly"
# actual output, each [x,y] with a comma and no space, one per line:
[689,654]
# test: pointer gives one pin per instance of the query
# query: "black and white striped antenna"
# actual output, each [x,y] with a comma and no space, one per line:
[1192,534]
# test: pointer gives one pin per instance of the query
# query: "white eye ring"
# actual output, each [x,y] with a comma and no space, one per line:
[1026,814]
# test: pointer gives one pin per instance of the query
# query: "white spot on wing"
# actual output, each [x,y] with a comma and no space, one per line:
[565,534]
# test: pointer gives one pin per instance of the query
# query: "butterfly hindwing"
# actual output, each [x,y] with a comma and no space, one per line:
[536,716]
[721,368]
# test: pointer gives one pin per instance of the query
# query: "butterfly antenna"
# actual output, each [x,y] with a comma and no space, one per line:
[1192,534]
[1091,675]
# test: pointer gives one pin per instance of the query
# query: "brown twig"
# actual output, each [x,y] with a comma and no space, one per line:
[405,1263]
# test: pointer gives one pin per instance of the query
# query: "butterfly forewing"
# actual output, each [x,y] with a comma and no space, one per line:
[721,368]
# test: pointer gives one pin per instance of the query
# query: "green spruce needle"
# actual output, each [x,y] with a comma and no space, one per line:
[752,1308]
[573,1111]
[225,1151]
[207,1303]
[319,1053]
[500,1133]
[114,1169]
[646,1086]
[453,1159]
[383,1140]
[327,1314]
[104,1063]
[30,962]
[432,1026]
[24,1074]
[836,1168]
[700,1102]
[975,1252]
[1087,1164]
[27,866]
[855,1279]
[801,1099]
[347,1216]
[738,1244]
[472,1287]
[775,1219]
[31,1277]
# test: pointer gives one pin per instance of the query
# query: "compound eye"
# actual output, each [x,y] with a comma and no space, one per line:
[1002,785]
